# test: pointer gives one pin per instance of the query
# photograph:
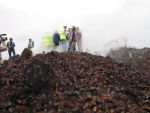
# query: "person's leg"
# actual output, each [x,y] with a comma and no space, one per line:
[74,46]
[62,46]
[65,45]
[13,52]
[70,46]
[79,44]
[9,53]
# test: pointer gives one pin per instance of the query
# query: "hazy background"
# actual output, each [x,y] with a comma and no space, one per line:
[101,21]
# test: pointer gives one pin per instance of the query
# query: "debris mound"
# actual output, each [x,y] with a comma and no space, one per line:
[136,58]
[71,83]
[26,54]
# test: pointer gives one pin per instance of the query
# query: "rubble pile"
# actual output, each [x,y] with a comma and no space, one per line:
[71,83]
[136,58]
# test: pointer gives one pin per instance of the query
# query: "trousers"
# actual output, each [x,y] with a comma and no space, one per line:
[11,50]
[63,45]
[72,46]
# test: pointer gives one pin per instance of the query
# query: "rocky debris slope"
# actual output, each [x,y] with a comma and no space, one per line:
[71,83]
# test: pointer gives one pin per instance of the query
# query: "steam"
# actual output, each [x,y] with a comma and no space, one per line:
[104,26]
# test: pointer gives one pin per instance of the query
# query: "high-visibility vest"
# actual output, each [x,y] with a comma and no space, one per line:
[62,35]
[47,40]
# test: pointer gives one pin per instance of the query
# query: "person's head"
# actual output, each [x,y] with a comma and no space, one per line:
[30,39]
[11,39]
[73,28]
[65,27]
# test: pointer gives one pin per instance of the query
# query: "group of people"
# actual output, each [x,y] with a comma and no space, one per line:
[68,39]
[10,46]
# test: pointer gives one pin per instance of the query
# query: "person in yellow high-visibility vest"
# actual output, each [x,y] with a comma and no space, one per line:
[63,39]
[48,40]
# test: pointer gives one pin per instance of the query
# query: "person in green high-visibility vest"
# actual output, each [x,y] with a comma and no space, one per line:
[63,39]
[30,44]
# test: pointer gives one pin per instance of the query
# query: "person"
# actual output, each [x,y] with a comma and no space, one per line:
[79,39]
[30,44]
[69,34]
[47,40]
[72,44]
[56,39]
[11,47]
[3,46]
[63,39]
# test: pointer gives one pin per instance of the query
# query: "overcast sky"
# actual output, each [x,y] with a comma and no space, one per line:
[100,21]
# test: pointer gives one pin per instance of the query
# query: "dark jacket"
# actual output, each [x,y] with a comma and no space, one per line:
[56,39]
[10,45]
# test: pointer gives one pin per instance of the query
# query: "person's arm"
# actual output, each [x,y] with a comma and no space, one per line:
[28,45]
[80,36]
[67,37]
[32,44]
[13,44]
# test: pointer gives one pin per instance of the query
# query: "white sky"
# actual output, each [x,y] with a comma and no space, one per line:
[99,20]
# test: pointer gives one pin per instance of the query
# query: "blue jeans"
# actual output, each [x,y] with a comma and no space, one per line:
[63,45]
[11,50]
